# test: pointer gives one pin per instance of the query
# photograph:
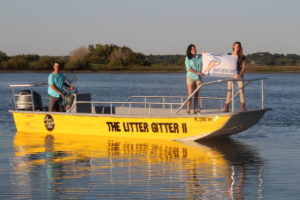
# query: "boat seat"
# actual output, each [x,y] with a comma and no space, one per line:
[81,107]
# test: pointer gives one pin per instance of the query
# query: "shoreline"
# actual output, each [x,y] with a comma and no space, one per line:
[170,69]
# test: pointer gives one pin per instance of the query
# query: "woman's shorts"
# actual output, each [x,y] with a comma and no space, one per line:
[190,81]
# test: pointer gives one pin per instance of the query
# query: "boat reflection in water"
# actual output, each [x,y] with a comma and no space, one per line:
[66,166]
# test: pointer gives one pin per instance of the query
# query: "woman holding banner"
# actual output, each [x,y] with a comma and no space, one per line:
[237,50]
[193,65]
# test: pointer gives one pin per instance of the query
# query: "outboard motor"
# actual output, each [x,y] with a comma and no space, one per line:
[24,100]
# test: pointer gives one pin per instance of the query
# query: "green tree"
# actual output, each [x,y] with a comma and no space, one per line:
[78,59]
[44,63]
[114,56]
[3,57]
[77,65]
[20,62]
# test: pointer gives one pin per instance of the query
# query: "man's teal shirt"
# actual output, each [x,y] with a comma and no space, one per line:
[58,81]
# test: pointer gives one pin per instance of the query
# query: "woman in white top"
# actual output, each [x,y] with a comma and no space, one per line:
[237,50]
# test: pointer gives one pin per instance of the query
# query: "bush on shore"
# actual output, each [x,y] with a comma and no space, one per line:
[110,57]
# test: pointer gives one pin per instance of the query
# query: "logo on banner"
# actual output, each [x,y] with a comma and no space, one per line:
[219,65]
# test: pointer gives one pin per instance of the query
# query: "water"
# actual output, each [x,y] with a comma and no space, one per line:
[260,163]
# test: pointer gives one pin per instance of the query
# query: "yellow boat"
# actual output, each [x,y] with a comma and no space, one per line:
[148,117]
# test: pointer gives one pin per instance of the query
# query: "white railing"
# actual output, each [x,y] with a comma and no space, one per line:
[173,103]
[31,95]
[233,96]
[130,106]
[163,99]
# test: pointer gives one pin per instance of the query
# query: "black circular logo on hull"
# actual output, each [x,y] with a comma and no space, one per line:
[49,122]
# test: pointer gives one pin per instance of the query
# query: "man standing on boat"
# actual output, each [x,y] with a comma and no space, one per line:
[56,82]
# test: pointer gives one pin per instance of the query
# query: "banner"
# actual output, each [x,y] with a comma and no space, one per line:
[219,65]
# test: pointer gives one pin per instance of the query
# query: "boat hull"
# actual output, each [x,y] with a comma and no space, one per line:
[193,127]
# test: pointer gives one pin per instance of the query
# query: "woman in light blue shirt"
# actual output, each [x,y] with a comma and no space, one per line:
[193,65]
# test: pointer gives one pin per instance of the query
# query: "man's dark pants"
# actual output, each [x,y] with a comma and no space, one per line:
[55,104]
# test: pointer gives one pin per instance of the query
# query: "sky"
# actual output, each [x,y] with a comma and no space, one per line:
[57,27]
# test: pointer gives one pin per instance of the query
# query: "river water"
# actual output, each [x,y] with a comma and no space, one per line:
[259,163]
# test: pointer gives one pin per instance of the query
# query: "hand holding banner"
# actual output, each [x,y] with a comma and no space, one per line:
[219,65]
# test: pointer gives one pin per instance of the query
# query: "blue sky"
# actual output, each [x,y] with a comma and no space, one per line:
[56,27]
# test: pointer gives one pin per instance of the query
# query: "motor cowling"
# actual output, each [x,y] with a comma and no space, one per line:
[24,100]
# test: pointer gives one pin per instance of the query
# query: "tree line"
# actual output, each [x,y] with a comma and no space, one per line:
[111,57]
[260,58]
[93,57]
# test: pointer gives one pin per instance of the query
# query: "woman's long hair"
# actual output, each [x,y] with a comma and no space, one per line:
[188,51]
[240,51]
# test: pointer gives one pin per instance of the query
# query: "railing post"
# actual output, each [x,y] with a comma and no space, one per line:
[163,102]
[221,104]
[149,109]
[14,98]
[145,102]
[232,97]
[111,108]
[200,103]
[32,99]
[262,94]
[129,108]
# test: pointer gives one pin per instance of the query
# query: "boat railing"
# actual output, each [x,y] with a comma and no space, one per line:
[108,107]
[183,99]
[145,103]
[31,99]
[168,99]
[233,95]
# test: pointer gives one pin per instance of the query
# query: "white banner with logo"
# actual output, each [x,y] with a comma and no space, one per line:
[219,65]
